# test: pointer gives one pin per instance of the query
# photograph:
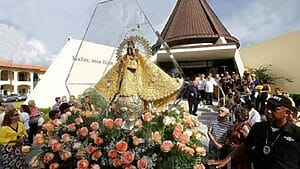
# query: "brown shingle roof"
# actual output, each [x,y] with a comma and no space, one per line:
[193,21]
[7,64]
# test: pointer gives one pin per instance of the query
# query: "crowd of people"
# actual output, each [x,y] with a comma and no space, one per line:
[18,127]
[256,127]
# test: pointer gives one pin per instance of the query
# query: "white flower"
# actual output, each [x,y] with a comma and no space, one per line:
[188,132]
[177,112]
[167,120]
[173,108]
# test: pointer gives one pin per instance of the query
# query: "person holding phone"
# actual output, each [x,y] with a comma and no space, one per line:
[12,134]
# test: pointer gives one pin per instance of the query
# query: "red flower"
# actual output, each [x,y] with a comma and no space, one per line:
[82,164]
[121,146]
[128,157]
[112,153]
[142,163]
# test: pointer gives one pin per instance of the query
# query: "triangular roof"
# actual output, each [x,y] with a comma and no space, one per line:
[193,21]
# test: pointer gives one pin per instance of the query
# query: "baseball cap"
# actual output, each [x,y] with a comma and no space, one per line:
[279,100]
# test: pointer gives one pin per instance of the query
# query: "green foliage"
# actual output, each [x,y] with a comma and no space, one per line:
[296,98]
[95,97]
[176,159]
[264,73]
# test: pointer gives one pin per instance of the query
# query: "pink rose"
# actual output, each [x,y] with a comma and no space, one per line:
[178,128]
[66,138]
[82,164]
[26,149]
[78,120]
[77,145]
[96,155]
[56,122]
[93,134]
[84,131]
[166,146]
[108,123]
[112,153]
[80,154]
[65,155]
[136,141]
[94,126]
[189,150]
[52,141]
[181,146]
[90,149]
[48,157]
[138,123]
[48,126]
[88,114]
[177,132]
[71,127]
[53,166]
[98,140]
[142,163]
[147,117]
[128,157]
[118,122]
[129,167]
[201,151]
[184,138]
[156,137]
[95,166]
[121,146]
[56,147]
[38,139]
[199,166]
[116,162]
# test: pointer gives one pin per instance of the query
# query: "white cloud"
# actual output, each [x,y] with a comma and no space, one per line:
[15,46]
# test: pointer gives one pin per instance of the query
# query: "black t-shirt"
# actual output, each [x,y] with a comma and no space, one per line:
[285,151]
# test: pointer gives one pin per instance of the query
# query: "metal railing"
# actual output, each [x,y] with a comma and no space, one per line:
[220,90]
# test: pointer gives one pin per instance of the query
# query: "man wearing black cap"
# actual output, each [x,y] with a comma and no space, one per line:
[275,143]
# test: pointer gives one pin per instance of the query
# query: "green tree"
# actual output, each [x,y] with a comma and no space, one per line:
[264,72]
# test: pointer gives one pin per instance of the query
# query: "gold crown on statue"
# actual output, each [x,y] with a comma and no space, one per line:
[132,42]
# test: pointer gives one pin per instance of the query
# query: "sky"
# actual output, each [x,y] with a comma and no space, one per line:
[34,31]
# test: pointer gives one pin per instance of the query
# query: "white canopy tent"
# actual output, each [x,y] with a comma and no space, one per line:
[89,66]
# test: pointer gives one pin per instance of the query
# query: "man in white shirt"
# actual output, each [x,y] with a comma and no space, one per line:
[209,89]
[201,87]
[254,115]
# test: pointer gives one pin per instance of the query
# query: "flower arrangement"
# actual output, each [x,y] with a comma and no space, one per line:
[89,140]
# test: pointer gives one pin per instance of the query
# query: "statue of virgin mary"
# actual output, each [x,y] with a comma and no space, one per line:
[135,82]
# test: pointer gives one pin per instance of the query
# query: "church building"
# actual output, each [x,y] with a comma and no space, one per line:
[198,40]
